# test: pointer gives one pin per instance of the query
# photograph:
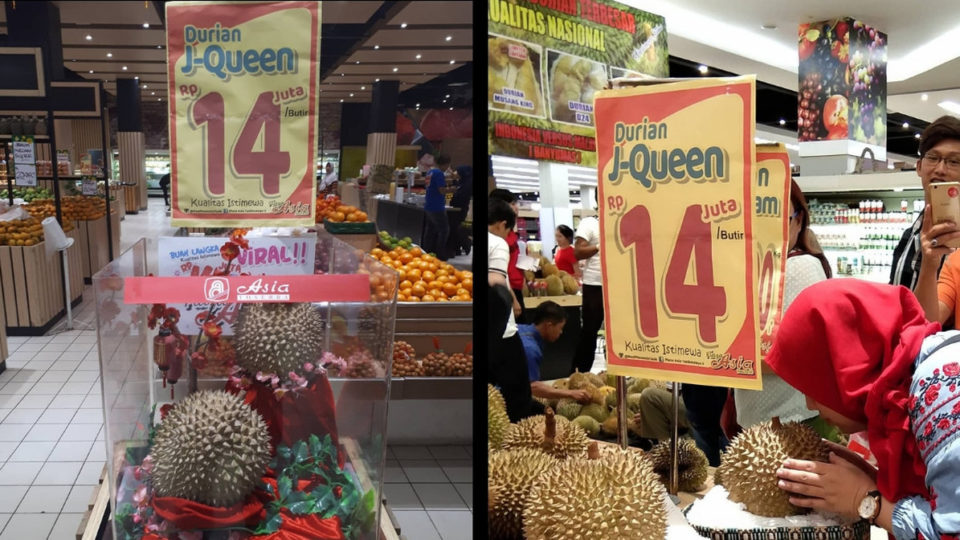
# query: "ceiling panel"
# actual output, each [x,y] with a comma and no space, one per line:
[366,56]
[77,36]
[155,55]
[435,13]
[422,38]
[347,12]
[379,69]
[108,12]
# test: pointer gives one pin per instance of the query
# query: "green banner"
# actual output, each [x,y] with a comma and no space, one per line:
[547,58]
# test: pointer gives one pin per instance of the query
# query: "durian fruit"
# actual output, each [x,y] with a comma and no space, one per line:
[548,433]
[577,381]
[691,464]
[569,408]
[561,384]
[529,275]
[595,411]
[570,285]
[589,424]
[605,390]
[554,286]
[609,379]
[543,401]
[638,386]
[511,474]
[609,426]
[211,448]
[614,495]
[598,381]
[525,291]
[748,469]
[547,268]
[611,400]
[497,420]
[633,403]
[278,338]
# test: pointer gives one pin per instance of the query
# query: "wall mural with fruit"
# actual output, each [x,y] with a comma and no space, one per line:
[546,63]
[843,82]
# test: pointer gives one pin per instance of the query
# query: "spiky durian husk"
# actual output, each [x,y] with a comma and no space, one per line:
[609,426]
[568,408]
[748,469]
[598,381]
[578,381]
[597,412]
[511,474]
[211,448]
[691,464]
[615,496]
[589,425]
[278,338]
[570,440]
[561,384]
[497,420]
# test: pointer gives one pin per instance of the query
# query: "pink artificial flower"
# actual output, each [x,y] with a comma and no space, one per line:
[308,367]
[140,495]
[136,518]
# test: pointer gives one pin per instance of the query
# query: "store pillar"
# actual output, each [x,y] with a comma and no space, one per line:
[131,142]
[382,136]
[554,203]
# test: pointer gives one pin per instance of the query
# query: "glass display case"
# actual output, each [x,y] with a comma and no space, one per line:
[241,405]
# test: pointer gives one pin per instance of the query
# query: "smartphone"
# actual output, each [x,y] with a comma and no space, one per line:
[945,203]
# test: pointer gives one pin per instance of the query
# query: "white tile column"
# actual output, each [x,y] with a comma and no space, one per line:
[554,202]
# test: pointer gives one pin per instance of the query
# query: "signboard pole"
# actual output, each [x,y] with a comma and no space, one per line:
[674,442]
[621,408]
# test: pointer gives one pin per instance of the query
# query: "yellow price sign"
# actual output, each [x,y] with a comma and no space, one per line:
[676,174]
[771,225]
[243,91]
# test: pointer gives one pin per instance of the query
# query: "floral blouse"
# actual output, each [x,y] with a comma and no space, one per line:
[934,410]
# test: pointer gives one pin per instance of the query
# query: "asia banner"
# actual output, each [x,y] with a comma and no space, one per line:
[547,60]
[676,174]
[771,214]
[243,86]
[200,257]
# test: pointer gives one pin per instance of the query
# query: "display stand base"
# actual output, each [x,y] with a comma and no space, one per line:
[34,331]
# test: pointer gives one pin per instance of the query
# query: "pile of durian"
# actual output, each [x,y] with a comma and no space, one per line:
[547,480]
[598,418]
[557,281]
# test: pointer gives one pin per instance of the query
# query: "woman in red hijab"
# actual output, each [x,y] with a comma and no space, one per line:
[868,360]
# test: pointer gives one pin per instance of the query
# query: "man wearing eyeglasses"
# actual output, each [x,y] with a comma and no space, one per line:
[918,261]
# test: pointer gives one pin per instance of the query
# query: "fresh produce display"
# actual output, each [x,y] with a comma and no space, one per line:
[78,207]
[549,281]
[331,209]
[435,364]
[497,421]
[691,464]
[553,435]
[27,194]
[748,468]
[842,82]
[612,494]
[24,232]
[202,433]
[424,278]
[573,82]
[278,338]
[389,241]
[598,418]
[513,473]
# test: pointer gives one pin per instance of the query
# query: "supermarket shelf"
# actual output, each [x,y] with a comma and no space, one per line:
[895,181]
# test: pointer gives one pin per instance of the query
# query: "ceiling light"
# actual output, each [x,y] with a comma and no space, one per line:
[951,106]
[144,86]
[783,122]
[448,38]
[924,97]
[91,72]
[124,68]
[906,125]
[702,69]
[418,105]
[358,61]
[375,47]
[363,87]
[158,99]
[159,46]
[109,55]
[341,100]
[146,25]
[768,26]
[916,135]
[89,37]
[451,108]
[341,74]
[378,80]
[394,70]
[73,59]
[153,93]
[419,56]
[137,77]
[453,61]
[351,94]
[403,25]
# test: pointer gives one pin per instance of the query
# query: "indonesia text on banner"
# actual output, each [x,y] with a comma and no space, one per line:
[243,86]
[676,165]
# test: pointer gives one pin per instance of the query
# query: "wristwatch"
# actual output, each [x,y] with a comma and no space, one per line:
[869,507]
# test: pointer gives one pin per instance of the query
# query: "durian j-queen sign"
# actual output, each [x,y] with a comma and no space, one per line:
[243,96]
[679,203]
[547,59]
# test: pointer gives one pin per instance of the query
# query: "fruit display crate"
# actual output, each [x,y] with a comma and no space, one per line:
[31,286]
[450,322]
[365,227]
[93,245]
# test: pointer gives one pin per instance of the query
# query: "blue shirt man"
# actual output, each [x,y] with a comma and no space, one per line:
[435,201]
[548,322]
[532,348]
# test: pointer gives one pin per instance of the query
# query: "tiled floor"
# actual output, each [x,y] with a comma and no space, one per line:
[430,491]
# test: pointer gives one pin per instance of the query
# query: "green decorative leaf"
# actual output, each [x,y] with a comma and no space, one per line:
[300,451]
[271,525]
[314,444]
[303,507]
[326,504]
[284,453]
[370,500]
[284,485]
